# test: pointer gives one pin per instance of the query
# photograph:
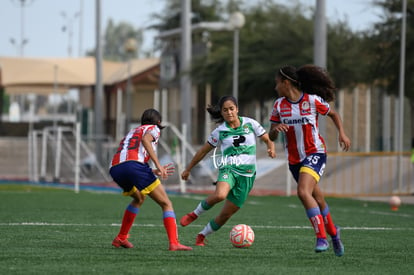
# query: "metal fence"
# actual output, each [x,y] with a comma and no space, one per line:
[368,174]
[347,174]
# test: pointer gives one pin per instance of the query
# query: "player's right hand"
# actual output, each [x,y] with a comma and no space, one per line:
[185,174]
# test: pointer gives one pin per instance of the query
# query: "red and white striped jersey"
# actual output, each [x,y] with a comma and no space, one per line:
[131,147]
[303,136]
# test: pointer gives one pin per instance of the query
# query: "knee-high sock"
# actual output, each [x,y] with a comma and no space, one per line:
[327,219]
[315,217]
[127,221]
[170,225]
[211,227]
[202,207]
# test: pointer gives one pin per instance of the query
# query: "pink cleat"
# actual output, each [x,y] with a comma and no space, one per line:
[179,247]
[200,240]
[117,242]
[187,219]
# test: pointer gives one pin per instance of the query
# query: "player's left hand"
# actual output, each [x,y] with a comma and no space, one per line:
[281,127]
[170,168]
[345,142]
[271,153]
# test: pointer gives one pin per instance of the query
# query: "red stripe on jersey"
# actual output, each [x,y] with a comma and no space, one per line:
[322,107]
[131,147]
[309,141]
[292,146]
[275,117]
[303,136]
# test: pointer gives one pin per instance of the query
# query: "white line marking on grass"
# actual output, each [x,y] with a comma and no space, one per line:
[161,225]
[343,227]
[378,228]
[193,197]
[391,214]
[376,213]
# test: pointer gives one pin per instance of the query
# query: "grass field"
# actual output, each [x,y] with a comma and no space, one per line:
[52,231]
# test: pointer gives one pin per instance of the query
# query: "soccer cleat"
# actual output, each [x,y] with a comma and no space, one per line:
[117,242]
[321,245]
[187,219]
[179,247]
[338,247]
[200,240]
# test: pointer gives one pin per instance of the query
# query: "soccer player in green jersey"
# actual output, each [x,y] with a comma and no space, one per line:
[236,162]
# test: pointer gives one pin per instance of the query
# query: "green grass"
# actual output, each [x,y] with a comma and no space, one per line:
[52,231]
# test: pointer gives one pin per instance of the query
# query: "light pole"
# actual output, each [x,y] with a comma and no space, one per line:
[320,47]
[98,104]
[19,46]
[69,28]
[185,67]
[237,21]
[23,41]
[130,47]
[401,91]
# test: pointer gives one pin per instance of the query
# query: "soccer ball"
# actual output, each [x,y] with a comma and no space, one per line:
[241,235]
[395,202]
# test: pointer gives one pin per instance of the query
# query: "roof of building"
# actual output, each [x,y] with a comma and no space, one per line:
[20,73]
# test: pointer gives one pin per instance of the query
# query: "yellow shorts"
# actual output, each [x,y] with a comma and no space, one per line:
[144,191]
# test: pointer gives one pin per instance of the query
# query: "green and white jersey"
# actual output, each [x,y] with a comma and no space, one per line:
[238,146]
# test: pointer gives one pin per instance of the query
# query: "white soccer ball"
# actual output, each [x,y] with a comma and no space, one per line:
[395,202]
[241,235]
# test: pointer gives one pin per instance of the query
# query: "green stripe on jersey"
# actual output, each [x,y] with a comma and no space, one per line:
[238,146]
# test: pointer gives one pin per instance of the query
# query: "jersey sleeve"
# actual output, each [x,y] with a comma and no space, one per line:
[213,139]
[322,107]
[275,115]
[154,131]
[258,128]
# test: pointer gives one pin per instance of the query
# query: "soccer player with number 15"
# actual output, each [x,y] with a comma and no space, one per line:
[304,95]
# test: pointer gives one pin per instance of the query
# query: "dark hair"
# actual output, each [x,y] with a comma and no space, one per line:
[215,111]
[310,79]
[152,117]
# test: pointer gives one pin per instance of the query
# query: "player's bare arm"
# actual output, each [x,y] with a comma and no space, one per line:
[270,145]
[207,147]
[343,139]
[146,142]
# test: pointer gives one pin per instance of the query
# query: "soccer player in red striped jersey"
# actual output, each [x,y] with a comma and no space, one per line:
[304,95]
[130,170]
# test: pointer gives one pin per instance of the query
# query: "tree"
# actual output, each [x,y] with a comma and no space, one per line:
[170,16]
[115,38]
[348,58]
[385,43]
[272,37]
[276,35]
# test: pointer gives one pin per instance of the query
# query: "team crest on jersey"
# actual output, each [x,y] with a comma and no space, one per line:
[225,176]
[305,108]
[246,129]
[213,139]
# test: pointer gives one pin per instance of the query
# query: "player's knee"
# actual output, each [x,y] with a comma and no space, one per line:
[219,196]
[165,204]
[137,202]
[137,199]
[302,193]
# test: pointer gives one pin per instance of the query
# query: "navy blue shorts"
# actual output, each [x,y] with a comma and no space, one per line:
[313,164]
[133,175]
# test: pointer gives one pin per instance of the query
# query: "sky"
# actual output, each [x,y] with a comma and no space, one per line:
[42,22]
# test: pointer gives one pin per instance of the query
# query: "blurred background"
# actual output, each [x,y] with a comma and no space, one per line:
[75,76]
